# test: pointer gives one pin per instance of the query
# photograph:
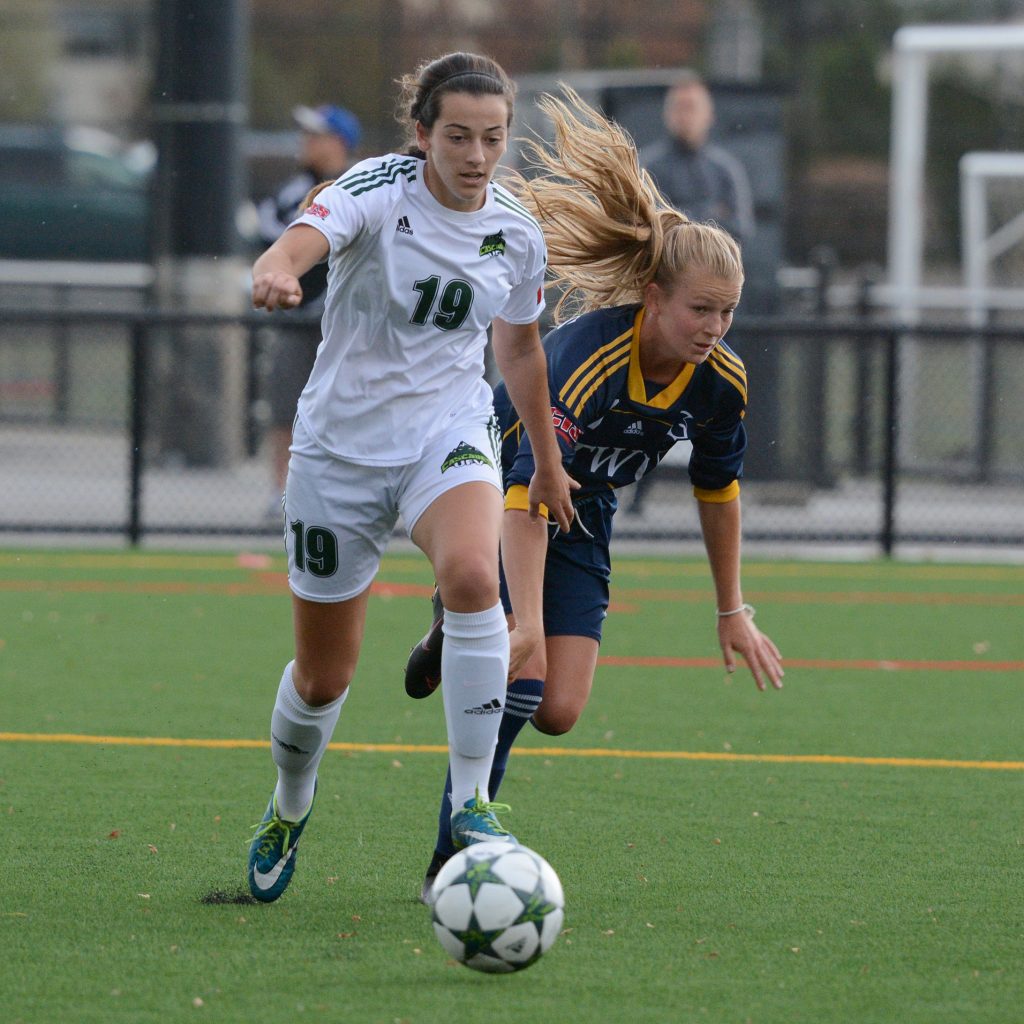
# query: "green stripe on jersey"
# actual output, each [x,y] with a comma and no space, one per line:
[509,203]
[387,174]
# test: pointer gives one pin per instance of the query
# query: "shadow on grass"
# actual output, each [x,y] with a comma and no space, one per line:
[218,896]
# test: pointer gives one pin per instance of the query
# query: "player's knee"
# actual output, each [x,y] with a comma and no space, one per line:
[469,583]
[319,684]
[554,719]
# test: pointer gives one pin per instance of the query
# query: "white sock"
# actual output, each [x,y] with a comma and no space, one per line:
[299,735]
[474,673]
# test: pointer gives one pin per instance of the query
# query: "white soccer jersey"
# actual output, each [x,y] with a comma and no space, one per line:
[412,288]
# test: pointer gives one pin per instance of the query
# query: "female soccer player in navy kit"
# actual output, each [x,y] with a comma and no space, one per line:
[642,366]
[424,253]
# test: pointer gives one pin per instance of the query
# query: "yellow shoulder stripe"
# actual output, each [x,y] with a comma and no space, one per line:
[730,374]
[593,365]
[732,360]
[608,370]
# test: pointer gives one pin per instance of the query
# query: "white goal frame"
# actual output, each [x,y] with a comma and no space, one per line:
[914,47]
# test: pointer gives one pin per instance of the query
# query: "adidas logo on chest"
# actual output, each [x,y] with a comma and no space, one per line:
[635,429]
[404,227]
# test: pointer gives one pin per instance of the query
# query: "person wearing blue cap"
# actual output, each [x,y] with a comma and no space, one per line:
[330,137]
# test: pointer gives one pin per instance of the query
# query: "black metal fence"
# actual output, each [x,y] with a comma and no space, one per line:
[147,424]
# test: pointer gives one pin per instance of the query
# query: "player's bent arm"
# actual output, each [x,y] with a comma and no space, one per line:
[275,274]
[523,367]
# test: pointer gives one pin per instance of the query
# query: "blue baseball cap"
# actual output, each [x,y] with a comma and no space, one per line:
[330,120]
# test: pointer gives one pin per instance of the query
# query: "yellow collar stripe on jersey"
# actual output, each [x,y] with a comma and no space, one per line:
[665,398]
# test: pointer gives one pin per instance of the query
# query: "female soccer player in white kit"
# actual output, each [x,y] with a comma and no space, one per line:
[424,253]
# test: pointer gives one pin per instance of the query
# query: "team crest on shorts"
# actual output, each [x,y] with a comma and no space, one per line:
[493,245]
[465,455]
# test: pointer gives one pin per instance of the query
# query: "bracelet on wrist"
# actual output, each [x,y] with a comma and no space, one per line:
[748,608]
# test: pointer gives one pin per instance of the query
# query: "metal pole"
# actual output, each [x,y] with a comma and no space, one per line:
[137,436]
[889,459]
[864,361]
[906,177]
[199,110]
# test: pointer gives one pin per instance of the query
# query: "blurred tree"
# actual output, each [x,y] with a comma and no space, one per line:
[30,44]
[311,53]
[352,53]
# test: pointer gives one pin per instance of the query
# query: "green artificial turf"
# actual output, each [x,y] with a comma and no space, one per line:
[848,849]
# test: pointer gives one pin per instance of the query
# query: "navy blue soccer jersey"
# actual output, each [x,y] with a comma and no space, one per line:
[614,427]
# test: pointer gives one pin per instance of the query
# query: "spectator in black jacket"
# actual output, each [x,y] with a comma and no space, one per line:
[699,178]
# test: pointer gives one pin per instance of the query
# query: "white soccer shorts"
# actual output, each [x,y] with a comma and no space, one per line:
[339,516]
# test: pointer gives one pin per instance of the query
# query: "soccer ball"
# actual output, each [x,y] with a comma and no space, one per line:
[497,907]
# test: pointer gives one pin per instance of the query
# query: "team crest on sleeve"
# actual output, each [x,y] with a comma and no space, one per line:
[465,455]
[317,210]
[493,245]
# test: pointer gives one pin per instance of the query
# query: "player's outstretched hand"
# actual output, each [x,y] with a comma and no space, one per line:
[738,634]
[276,290]
[553,488]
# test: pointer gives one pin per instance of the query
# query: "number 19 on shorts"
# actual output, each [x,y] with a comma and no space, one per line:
[316,549]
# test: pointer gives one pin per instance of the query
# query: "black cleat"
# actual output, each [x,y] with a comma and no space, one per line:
[423,669]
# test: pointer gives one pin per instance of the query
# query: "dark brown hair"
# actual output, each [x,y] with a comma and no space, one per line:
[423,91]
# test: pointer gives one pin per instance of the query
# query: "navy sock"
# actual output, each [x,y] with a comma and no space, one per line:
[522,699]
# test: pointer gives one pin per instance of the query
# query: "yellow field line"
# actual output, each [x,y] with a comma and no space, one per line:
[433,748]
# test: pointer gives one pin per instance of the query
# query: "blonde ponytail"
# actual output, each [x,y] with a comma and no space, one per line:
[313,193]
[609,231]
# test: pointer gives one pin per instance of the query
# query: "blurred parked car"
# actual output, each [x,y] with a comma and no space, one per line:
[72,194]
[81,193]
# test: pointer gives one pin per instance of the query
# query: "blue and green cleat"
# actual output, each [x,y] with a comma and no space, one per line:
[272,852]
[477,822]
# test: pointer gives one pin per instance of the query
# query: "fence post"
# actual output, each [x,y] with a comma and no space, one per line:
[889,455]
[986,409]
[136,406]
[61,361]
